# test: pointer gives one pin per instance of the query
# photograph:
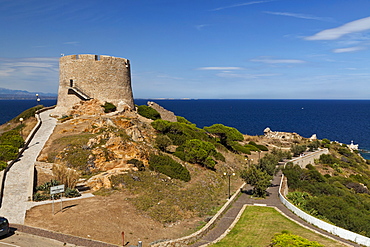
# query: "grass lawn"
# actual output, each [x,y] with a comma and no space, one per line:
[258,225]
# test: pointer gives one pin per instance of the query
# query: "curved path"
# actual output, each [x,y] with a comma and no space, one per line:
[271,200]
[19,180]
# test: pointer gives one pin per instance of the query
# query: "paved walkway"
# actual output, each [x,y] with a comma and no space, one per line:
[19,179]
[271,200]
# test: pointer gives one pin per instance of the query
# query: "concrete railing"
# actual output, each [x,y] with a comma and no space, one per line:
[27,142]
[199,234]
[309,158]
[340,232]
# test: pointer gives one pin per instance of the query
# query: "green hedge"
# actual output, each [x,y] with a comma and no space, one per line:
[166,165]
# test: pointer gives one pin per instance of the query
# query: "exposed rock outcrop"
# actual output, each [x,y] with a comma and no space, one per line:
[165,114]
[281,135]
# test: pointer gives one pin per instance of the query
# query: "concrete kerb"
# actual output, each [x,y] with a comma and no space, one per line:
[34,204]
[197,235]
[230,227]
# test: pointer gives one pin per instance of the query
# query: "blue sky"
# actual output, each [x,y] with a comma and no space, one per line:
[216,49]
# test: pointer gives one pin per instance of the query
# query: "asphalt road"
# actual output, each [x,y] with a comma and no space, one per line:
[20,239]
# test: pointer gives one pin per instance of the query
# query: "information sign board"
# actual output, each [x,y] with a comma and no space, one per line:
[57,189]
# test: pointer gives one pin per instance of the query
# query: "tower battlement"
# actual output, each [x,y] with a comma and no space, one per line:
[87,76]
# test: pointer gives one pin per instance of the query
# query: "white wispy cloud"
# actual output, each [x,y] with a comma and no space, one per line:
[277,61]
[301,16]
[349,49]
[359,25]
[240,4]
[29,73]
[71,43]
[169,77]
[219,68]
[245,76]
[201,26]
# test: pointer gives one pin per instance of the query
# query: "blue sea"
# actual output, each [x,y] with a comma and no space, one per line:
[336,120]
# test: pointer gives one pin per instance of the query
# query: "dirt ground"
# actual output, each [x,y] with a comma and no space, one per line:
[104,218]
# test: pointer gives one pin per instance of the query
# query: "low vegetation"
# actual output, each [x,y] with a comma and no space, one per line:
[167,166]
[11,139]
[169,200]
[109,107]
[43,191]
[148,112]
[335,189]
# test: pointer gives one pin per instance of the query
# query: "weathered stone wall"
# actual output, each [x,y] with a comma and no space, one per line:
[165,114]
[105,78]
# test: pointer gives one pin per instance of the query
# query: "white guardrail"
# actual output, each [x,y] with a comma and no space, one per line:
[340,232]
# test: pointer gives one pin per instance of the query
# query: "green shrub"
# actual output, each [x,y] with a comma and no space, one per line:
[162,142]
[259,179]
[314,145]
[148,112]
[239,148]
[12,138]
[197,151]
[252,147]
[37,197]
[184,120]
[325,141]
[258,147]
[8,152]
[328,159]
[262,148]
[69,193]
[178,132]
[137,163]
[285,239]
[227,135]
[166,165]
[219,156]
[297,149]
[3,165]
[109,107]
[46,186]
[268,163]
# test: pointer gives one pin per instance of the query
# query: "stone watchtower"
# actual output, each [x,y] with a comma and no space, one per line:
[84,77]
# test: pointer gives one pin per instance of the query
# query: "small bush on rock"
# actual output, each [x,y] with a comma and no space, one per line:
[148,112]
[109,107]
[137,163]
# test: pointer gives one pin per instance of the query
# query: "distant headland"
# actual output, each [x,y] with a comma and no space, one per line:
[9,94]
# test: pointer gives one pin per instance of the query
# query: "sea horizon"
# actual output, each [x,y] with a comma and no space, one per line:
[341,120]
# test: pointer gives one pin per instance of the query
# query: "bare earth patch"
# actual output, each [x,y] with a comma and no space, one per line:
[104,218]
